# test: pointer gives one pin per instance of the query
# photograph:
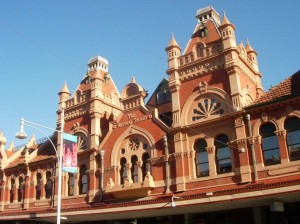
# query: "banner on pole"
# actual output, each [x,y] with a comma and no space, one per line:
[69,153]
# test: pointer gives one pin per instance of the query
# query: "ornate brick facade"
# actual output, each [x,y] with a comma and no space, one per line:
[208,135]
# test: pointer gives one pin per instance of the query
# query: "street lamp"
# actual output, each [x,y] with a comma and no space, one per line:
[22,135]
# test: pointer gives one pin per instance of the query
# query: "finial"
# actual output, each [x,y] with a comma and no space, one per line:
[133,79]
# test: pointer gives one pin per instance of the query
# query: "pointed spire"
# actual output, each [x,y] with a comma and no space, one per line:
[226,22]
[2,138]
[133,80]
[249,47]
[11,147]
[241,44]
[65,88]
[173,42]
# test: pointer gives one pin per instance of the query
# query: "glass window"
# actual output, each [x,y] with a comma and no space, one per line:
[292,127]
[123,170]
[134,169]
[201,158]
[83,181]
[38,186]
[223,156]
[146,164]
[20,189]
[48,187]
[269,144]
[12,190]
[71,183]
[163,96]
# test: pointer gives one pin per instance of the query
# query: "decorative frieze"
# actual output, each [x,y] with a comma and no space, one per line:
[255,140]
[157,160]
[110,169]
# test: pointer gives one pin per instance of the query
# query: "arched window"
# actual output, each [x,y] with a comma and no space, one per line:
[223,156]
[12,190]
[38,186]
[71,183]
[48,186]
[134,169]
[123,170]
[201,158]
[199,50]
[146,164]
[83,180]
[20,189]
[292,127]
[269,144]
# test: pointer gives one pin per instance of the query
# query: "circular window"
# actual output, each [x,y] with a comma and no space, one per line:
[145,146]
[122,151]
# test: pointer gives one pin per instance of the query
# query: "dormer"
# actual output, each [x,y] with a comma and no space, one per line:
[133,95]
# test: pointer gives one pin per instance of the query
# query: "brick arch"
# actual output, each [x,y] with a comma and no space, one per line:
[287,115]
[259,122]
[132,131]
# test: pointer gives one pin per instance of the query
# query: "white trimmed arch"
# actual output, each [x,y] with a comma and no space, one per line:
[133,131]
[211,94]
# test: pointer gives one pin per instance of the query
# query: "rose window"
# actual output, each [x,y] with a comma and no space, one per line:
[134,144]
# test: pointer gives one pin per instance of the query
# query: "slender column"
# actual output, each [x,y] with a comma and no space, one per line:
[26,189]
[252,148]
[166,158]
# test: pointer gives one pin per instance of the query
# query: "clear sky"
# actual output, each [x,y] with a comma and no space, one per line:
[45,43]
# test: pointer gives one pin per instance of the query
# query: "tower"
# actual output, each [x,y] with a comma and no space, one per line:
[173,52]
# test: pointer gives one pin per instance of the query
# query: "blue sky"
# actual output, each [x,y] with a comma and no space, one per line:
[44,43]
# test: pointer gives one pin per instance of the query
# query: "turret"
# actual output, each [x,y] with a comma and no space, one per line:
[173,51]
[252,56]
[64,94]
[227,30]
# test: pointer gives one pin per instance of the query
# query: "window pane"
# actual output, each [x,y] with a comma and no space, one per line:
[223,153]
[271,150]
[225,165]
[293,142]
[202,157]
[204,169]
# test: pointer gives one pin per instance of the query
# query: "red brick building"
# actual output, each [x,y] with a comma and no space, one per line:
[209,146]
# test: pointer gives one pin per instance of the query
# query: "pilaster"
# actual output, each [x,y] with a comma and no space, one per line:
[91,185]
[3,193]
[284,154]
